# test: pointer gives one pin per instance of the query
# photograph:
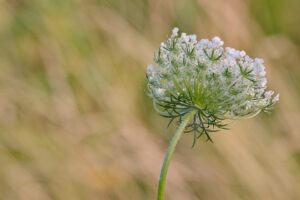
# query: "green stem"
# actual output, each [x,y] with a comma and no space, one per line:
[169,153]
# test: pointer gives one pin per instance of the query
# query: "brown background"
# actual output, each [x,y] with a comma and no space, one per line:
[75,122]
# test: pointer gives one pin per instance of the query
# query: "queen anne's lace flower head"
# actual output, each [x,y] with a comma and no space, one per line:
[219,82]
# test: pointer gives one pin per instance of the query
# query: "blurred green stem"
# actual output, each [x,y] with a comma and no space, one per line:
[169,153]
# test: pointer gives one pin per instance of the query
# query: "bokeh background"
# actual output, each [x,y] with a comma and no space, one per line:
[76,123]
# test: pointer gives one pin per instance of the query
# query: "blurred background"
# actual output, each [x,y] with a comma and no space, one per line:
[76,123]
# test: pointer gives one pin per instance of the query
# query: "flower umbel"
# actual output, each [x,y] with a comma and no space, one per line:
[201,84]
[217,82]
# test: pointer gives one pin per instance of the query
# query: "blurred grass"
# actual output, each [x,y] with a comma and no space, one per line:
[75,121]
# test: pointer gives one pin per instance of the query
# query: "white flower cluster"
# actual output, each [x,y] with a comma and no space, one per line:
[219,81]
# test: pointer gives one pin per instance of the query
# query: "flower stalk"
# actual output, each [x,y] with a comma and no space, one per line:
[169,153]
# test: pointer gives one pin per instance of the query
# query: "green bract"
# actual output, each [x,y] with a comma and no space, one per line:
[219,83]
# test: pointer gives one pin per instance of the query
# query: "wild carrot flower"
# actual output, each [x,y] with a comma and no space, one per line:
[218,82]
[201,84]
